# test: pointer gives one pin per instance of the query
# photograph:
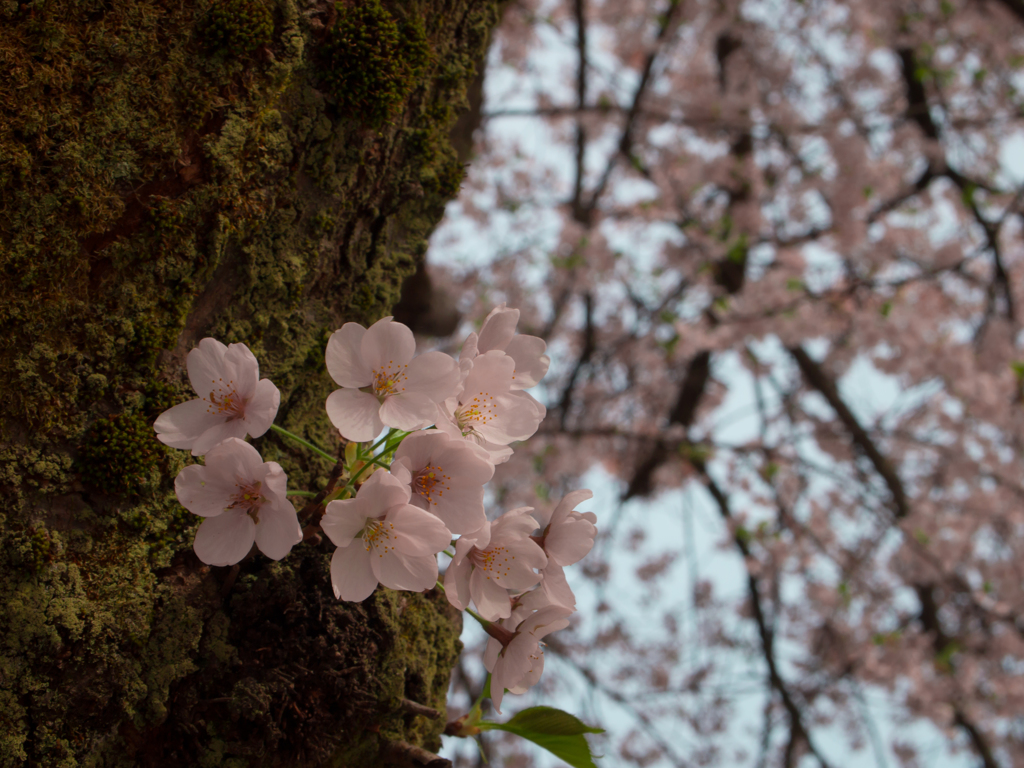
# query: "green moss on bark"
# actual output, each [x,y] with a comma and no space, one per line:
[158,189]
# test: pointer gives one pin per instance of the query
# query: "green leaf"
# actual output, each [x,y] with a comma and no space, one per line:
[558,732]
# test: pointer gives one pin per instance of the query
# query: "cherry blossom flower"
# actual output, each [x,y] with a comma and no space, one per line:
[233,400]
[499,557]
[447,476]
[382,384]
[382,538]
[499,333]
[243,499]
[566,537]
[487,411]
[518,665]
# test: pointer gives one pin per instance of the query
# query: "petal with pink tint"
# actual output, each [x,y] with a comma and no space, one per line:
[510,419]
[470,348]
[418,533]
[569,502]
[415,574]
[201,495]
[182,425]
[456,584]
[261,410]
[225,539]
[383,491]
[531,362]
[491,598]
[435,375]
[401,471]
[355,414]
[545,621]
[278,530]
[416,450]
[217,434]
[570,541]
[387,344]
[344,357]
[532,677]
[275,482]
[351,575]
[538,407]
[235,459]
[498,329]
[491,373]
[205,365]
[491,653]
[556,586]
[343,519]
[478,538]
[408,411]
[243,370]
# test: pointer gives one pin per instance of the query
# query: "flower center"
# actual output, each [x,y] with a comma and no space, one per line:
[476,413]
[224,399]
[379,535]
[431,482]
[496,561]
[249,500]
[388,379]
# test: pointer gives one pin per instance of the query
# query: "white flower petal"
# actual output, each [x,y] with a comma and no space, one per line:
[531,362]
[225,539]
[261,409]
[408,411]
[356,414]
[351,575]
[201,495]
[435,375]
[456,584]
[343,519]
[233,459]
[387,344]
[182,425]
[470,347]
[417,532]
[278,529]
[398,571]
[243,370]
[345,360]
[383,491]
[217,434]
[556,587]
[498,329]
[491,598]
[205,365]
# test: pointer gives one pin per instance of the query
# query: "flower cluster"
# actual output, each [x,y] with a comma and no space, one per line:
[406,496]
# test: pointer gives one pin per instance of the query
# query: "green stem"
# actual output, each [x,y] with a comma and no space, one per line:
[352,480]
[383,440]
[307,494]
[482,621]
[485,693]
[301,441]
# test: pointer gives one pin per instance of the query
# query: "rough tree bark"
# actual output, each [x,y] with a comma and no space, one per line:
[259,171]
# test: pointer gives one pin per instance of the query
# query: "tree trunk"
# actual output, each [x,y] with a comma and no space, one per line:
[254,170]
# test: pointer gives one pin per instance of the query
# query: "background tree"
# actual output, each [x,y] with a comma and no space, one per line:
[255,170]
[773,205]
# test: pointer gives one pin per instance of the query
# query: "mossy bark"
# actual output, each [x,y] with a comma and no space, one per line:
[255,170]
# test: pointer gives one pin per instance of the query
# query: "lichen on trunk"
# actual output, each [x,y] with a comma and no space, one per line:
[255,170]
